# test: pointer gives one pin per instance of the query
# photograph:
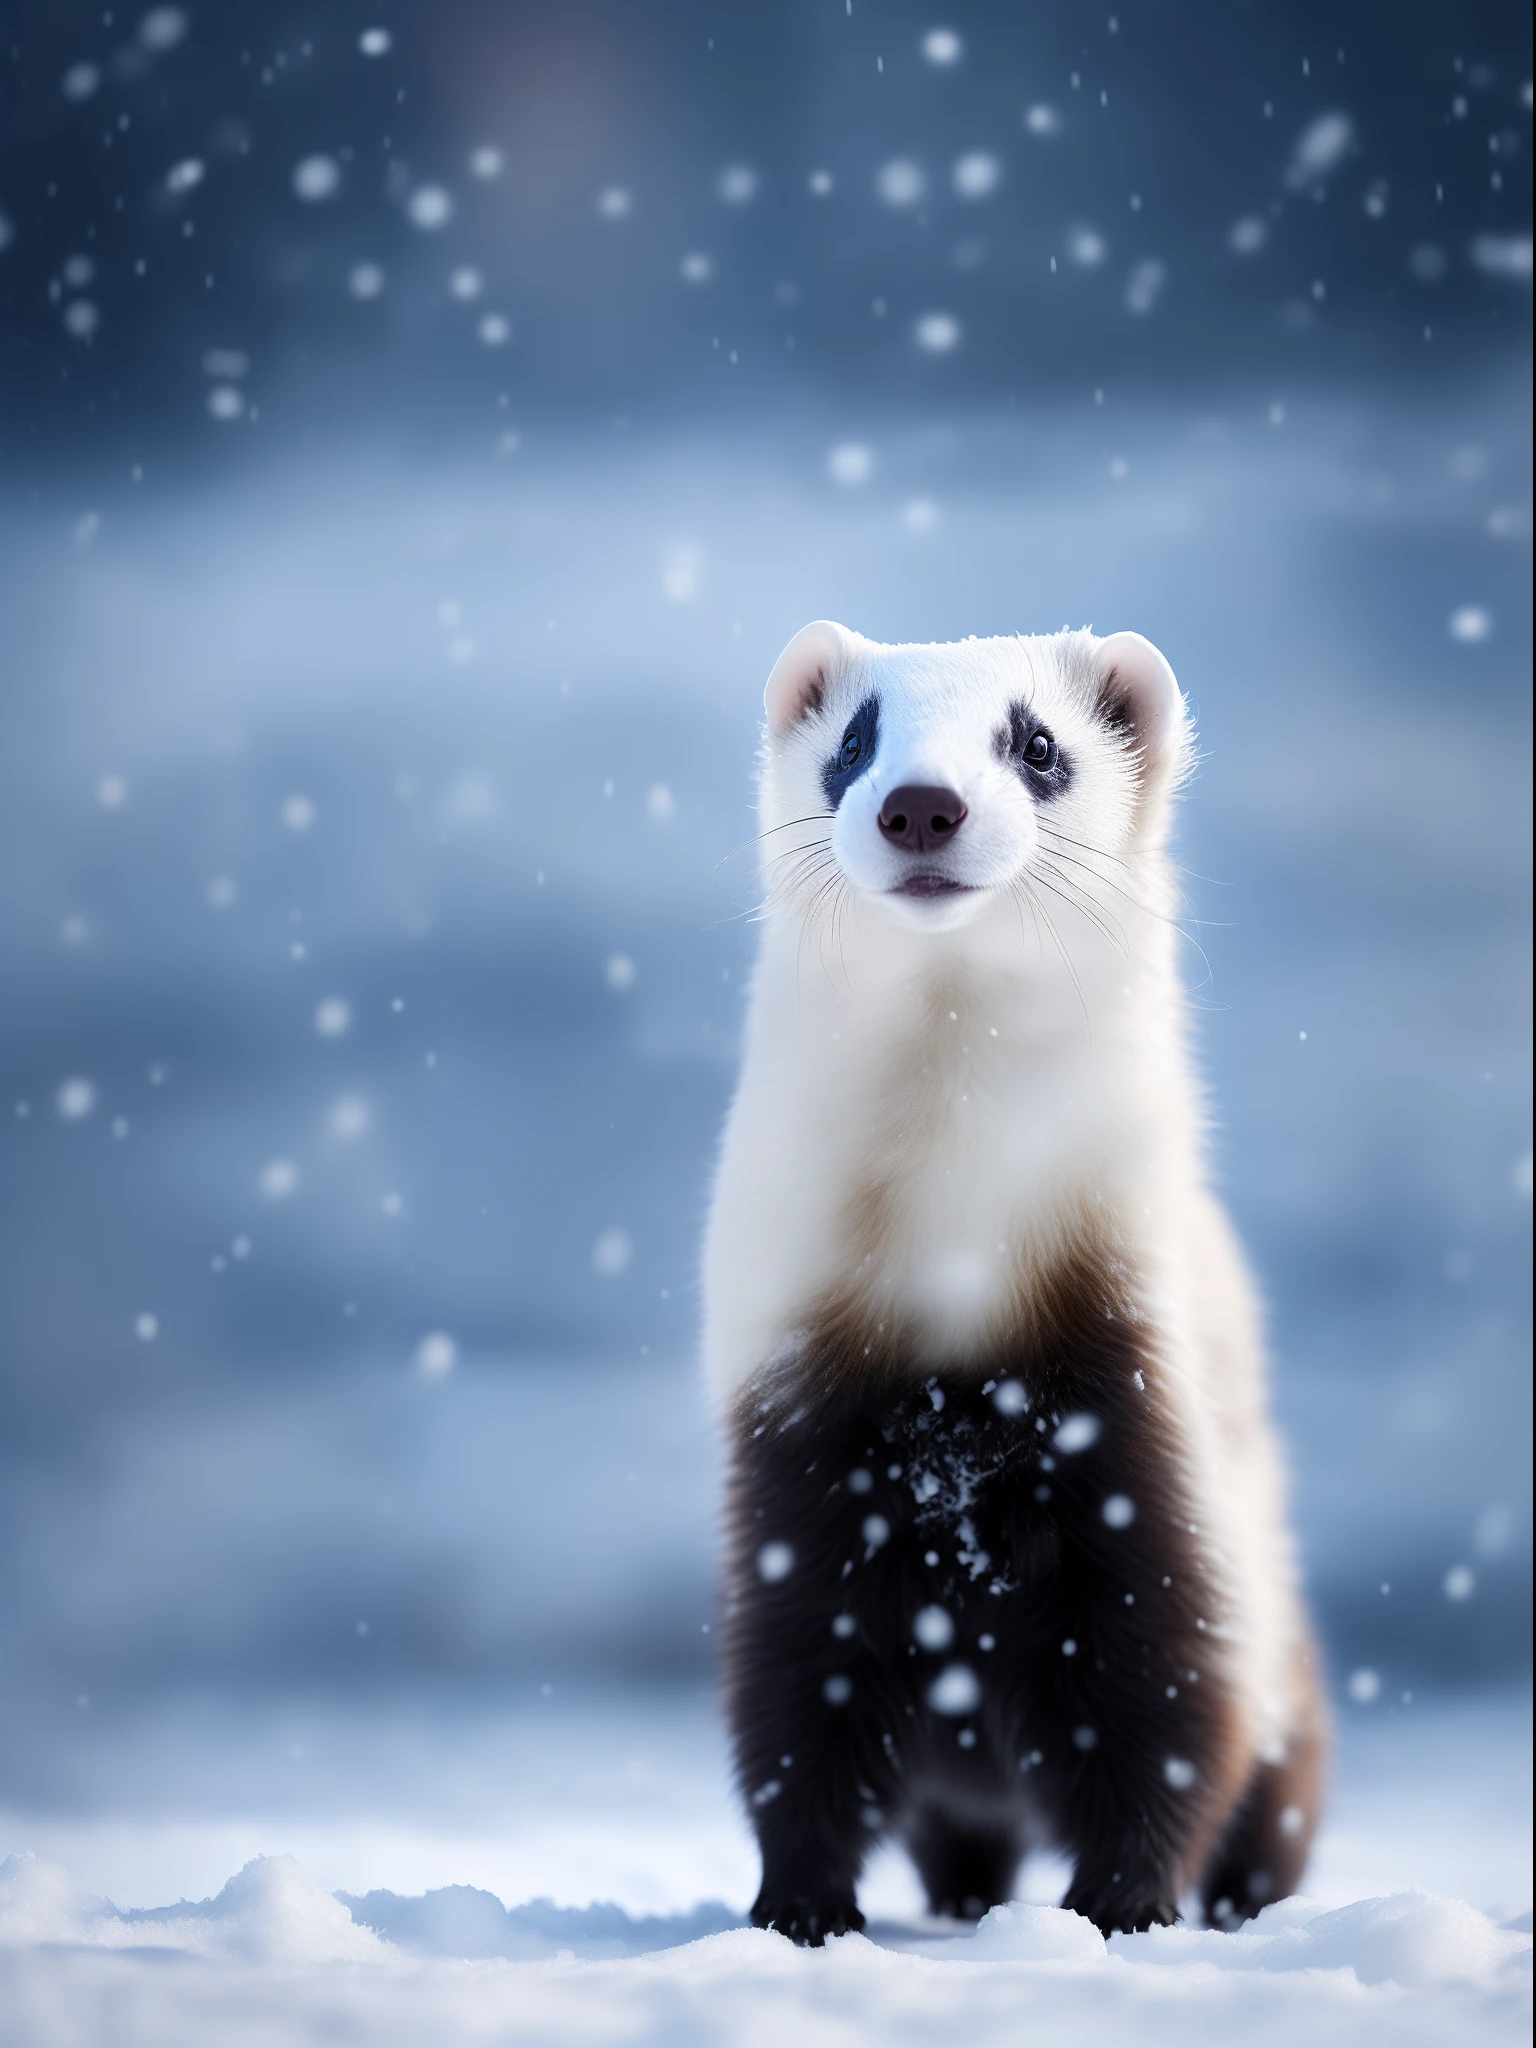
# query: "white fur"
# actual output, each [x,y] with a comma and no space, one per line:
[980,1071]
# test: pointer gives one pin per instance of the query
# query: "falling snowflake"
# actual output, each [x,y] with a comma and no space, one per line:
[1503,256]
[1144,286]
[933,1628]
[900,182]
[436,1355]
[850,463]
[612,1253]
[956,1690]
[977,175]
[1470,623]
[737,184]
[936,333]
[350,1118]
[316,178]
[333,1017]
[162,28]
[429,208]
[1320,148]
[278,1180]
[1077,1433]
[76,1098]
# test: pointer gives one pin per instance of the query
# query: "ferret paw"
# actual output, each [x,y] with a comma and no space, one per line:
[1121,1909]
[805,1917]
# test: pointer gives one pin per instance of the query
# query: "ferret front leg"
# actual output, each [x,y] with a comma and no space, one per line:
[1140,1738]
[813,1717]
[815,1754]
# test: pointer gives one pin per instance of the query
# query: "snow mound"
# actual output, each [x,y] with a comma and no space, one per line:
[459,1920]
[1032,1934]
[270,1912]
[1412,1939]
[38,1903]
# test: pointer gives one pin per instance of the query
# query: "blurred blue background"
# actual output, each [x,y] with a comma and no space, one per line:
[421,427]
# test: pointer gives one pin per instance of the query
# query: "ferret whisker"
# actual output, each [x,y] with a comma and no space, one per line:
[789,852]
[1022,901]
[839,902]
[828,926]
[1077,899]
[1066,957]
[1117,860]
[1088,904]
[1086,846]
[780,886]
[813,910]
[1059,841]
[1190,940]
[811,860]
[1053,889]
[805,871]
[1177,923]
[816,818]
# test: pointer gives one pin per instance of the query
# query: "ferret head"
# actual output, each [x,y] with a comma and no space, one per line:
[940,779]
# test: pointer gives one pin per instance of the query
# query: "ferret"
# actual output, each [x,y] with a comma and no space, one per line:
[1008,1557]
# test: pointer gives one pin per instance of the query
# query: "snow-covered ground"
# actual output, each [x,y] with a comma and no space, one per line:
[606,1824]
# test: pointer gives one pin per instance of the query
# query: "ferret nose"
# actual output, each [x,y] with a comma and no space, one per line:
[920,817]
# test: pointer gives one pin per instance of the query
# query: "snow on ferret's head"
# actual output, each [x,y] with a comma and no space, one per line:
[935,779]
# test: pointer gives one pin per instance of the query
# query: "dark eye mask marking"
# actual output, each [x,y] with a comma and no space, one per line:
[854,752]
[1029,747]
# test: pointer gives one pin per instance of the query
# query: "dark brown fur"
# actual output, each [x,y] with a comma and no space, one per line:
[836,1741]
[1263,1851]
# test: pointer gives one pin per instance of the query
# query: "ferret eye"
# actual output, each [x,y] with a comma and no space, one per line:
[1040,751]
[851,748]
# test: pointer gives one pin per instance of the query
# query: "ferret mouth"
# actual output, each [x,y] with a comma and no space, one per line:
[930,885]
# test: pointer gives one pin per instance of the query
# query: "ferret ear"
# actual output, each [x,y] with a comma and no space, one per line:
[1140,696]
[803,671]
